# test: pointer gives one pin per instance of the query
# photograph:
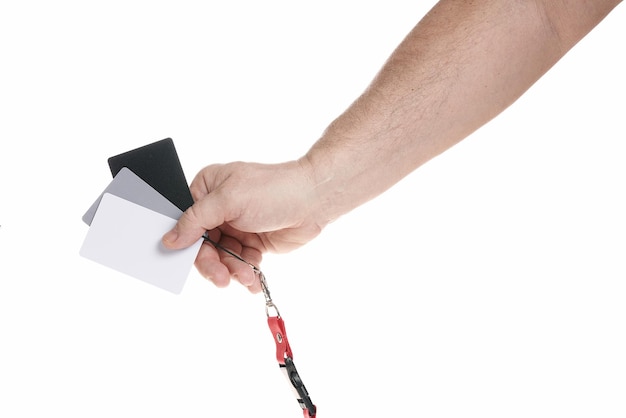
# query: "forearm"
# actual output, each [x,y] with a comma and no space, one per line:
[463,64]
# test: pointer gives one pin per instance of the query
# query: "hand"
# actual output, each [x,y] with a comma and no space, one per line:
[249,209]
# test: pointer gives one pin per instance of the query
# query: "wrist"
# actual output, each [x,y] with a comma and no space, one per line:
[319,189]
[333,173]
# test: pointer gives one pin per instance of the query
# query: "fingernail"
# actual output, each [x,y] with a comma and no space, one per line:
[171,236]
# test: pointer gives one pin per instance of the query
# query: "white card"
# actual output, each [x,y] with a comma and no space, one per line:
[127,237]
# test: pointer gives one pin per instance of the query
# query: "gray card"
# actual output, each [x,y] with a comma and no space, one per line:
[131,187]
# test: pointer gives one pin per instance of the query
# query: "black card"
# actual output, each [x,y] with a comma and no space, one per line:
[158,165]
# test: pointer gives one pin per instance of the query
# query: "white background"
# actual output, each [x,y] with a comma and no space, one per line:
[490,282]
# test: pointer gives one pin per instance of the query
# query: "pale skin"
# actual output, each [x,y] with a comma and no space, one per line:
[462,64]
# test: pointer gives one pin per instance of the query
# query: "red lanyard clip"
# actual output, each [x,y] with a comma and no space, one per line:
[285,362]
[284,355]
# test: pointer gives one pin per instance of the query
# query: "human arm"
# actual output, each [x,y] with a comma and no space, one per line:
[463,64]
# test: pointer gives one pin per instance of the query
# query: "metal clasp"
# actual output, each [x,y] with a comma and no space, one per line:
[269,304]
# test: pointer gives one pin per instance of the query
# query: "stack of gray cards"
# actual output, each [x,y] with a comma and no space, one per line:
[146,197]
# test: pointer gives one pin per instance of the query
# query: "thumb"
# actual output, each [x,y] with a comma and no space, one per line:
[195,221]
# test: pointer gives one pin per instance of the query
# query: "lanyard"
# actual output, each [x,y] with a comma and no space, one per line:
[284,356]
